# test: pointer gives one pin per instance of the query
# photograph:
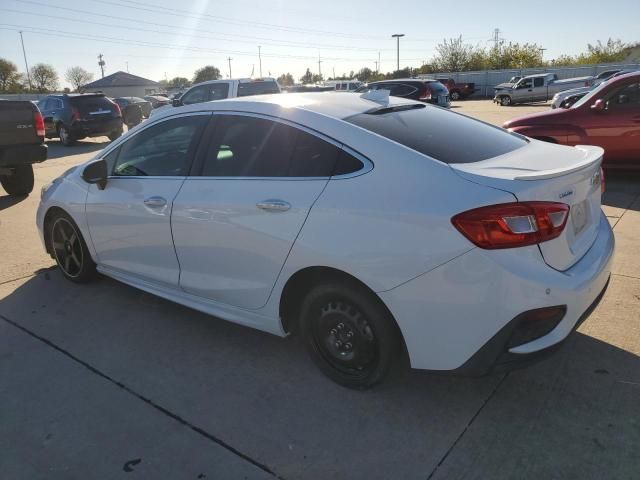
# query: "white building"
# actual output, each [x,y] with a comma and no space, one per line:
[123,84]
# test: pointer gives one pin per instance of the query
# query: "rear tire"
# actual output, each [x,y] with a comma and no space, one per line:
[115,135]
[70,250]
[349,334]
[20,182]
[455,95]
[65,136]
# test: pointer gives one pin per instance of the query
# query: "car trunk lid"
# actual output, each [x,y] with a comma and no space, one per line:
[94,108]
[546,172]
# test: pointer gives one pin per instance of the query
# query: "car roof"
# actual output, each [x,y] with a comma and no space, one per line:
[623,77]
[338,105]
[241,80]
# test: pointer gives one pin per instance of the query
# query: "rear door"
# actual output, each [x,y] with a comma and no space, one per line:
[539,93]
[235,221]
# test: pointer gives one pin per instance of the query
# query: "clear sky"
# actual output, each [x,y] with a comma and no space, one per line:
[158,37]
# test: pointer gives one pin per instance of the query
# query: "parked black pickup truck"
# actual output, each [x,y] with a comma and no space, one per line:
[21,145]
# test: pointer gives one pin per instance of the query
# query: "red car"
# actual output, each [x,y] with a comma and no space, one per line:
[608,116]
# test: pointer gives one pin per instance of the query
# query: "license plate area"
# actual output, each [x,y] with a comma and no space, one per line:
[580,217]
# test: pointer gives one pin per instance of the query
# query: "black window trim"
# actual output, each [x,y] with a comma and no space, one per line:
[195,173]
[126,138]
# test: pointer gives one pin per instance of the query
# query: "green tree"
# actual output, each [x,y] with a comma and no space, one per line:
[307,77]
[44,77]
[9,75]
[206,73]
[179,82]
[77,77]
[286,80]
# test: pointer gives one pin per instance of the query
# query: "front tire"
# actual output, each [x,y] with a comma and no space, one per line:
[349,334]
[70,250]
[115,135]
[505,101]
[455,95]
[20,182]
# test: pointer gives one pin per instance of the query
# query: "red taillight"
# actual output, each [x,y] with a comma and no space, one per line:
[118,111]
[75,114]
[602,183]
[38,121]
[426,94]
[510,225]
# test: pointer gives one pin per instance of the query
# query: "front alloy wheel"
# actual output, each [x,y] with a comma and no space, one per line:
[505,101]
[70,250]
[65,136]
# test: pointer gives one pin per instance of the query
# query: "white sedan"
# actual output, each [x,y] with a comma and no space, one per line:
[371,227]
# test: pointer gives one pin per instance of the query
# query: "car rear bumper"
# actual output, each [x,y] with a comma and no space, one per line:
[96,128]
[15,155]
[452,317]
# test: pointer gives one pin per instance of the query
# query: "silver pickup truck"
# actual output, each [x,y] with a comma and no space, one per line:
[537,88]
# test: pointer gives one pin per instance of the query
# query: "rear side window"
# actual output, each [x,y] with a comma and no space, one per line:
[90,104]
[257,88]
[440,134]
[247,146]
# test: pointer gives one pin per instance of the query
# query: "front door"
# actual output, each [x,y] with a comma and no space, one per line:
[235,222]
[617,128]
[130,220]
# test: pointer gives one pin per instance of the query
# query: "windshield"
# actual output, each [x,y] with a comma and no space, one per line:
[587,98]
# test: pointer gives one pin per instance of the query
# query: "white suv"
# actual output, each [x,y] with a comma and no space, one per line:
[220,89]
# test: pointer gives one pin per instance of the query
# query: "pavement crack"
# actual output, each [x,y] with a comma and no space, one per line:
[625,276]
[200,431]
[464,430]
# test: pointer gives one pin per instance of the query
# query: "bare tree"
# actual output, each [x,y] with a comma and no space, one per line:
[44,77]
[8,74]
[77,77]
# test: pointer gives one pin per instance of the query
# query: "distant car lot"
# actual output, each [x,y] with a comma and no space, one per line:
[247,404]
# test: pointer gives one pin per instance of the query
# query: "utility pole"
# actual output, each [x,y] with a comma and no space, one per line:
[378,64]
[127,66]
[24,53]
[397,36]
[259,61]
[542,52]
[334,72]
[496,38]
[229,60]
[102,63]
[253,67]
[319,62]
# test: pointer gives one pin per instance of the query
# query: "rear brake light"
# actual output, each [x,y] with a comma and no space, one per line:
[602,182]
[75,114]
[426,94]
[38,121]
[118,111]
[510,225]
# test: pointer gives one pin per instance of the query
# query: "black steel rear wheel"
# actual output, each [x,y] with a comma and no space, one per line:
[349,334]
[70,250]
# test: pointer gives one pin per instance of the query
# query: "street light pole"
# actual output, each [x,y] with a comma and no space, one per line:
[397,37]
[260,60]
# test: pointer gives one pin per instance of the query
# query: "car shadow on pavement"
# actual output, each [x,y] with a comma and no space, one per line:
[263,397]
[622,189]
[7,201]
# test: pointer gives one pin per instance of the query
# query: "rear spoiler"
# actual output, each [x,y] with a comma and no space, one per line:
[592,156]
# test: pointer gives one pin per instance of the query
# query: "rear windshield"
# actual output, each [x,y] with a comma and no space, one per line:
[441,134]
[91,104]
[257,88]
[437,87]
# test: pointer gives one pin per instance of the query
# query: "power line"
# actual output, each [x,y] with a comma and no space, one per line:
[106,39]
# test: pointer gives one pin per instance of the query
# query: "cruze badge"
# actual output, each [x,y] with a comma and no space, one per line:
[566,194]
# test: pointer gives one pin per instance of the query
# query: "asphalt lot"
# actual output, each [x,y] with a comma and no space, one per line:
[103,381]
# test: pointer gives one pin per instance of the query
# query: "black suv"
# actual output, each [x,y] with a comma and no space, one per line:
[427,90]
[75,116]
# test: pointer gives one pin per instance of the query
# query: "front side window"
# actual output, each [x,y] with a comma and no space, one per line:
[538,82]
[218,91]
[255,147]
[526,83]
[196,95]
[626,97]
[161,150]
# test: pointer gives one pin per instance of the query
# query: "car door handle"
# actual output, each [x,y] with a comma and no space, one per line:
[155,202]
[274,205]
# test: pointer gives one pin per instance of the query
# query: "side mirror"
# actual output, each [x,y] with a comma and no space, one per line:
[598,105]
[176,102]
[96,172]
